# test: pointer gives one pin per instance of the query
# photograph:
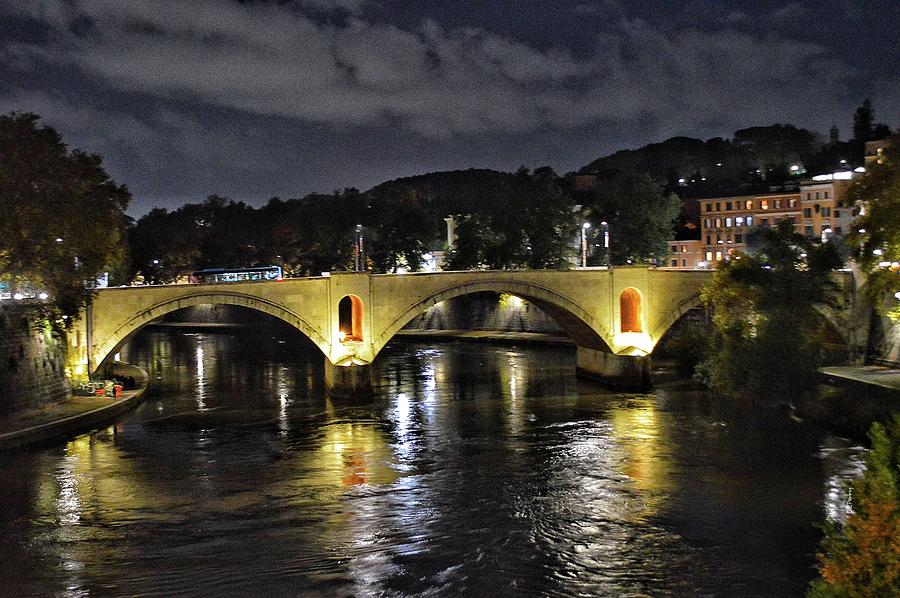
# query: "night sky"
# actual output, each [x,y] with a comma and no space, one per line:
[255,99]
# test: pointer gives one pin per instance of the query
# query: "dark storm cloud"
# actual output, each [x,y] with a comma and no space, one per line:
[223,84]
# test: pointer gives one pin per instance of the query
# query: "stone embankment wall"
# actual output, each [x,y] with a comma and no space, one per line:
[885,340]
[486,311]
[32,362]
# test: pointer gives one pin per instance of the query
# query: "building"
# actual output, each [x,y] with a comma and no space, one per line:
[725,221]
[686,255]
[825,213]
[876,151]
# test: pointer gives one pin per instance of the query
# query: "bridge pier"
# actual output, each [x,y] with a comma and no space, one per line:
[624,371]
[348,381]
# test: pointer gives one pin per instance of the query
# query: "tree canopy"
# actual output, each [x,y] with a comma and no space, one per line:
[768,330]
[861,557]
[63,216]
[640,216]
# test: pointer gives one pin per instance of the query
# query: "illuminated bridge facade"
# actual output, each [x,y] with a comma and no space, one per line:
[616,317]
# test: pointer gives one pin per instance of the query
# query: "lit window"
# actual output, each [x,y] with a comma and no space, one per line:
[764,204]
[749,204]
[739,221]
[684,249]
[792,203]
[777,204]
[709,256]
[718,222]
[749,220]
[718,256]
[728,222]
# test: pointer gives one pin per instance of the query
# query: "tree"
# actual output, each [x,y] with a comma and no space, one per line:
[766,343]
[639,215]
[861,557]
[63,221]
[863,121]
[527,222]
[879,193]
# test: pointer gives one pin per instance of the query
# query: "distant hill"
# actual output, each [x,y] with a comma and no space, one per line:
[753,160]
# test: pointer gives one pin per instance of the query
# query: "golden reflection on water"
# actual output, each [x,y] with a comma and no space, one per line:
[647,461]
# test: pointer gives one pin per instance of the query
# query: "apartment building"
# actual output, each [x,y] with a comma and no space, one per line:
[725,221]
[685,255]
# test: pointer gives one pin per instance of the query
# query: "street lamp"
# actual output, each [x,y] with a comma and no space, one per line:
[584,229]
[605,227]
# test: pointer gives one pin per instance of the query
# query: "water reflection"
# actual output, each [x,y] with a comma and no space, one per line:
[474,467]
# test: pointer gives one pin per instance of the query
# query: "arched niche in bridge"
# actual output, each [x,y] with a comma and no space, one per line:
[350,318]
[630,311]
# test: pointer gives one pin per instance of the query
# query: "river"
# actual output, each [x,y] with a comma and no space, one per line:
[475,469]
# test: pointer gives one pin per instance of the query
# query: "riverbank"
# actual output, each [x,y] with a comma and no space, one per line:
[73,416]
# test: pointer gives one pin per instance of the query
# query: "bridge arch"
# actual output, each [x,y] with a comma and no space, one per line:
[105,347]
[659,328]
[586,330]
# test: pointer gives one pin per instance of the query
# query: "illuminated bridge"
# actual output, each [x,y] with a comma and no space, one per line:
[615,317]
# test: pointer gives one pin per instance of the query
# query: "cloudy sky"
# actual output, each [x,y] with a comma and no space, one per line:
[260,98]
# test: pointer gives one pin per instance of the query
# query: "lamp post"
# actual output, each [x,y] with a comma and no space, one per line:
[605,228]
[359,254]
[584,229]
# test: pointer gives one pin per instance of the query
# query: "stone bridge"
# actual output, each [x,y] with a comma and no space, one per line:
[616,317]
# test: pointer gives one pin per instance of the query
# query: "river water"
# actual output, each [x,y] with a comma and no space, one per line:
[475,470]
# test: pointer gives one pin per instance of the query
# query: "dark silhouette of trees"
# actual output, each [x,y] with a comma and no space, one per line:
[863,122]
[639,214]
[63,219]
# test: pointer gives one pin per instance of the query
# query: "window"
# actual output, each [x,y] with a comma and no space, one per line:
[684,262]
[718,222]
[709,256]
[672,248]
[764,204]
[837,213]
[792,203]
[807,212]
[808,195]
[727,206]
[708,241]
[684,249]
[749,204]
[825,194]
[728,221]
[630,310]
[808,230]
[738,238]
[739,221]
[674,263]
[817,195]
[826,212]
[709,207]
[718,256]
[777,204]
[718,207]
[749,220]
[707,223]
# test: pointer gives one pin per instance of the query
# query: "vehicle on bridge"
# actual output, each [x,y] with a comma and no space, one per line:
[214,275]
